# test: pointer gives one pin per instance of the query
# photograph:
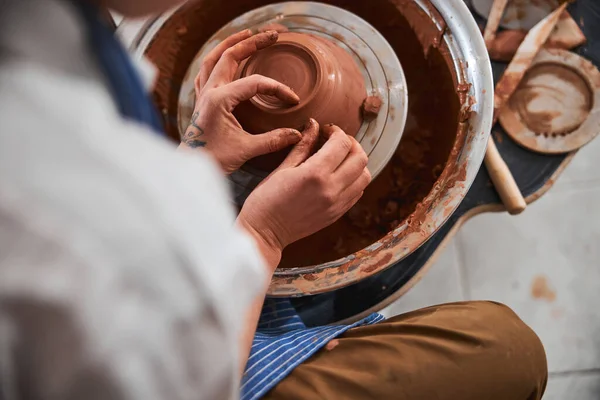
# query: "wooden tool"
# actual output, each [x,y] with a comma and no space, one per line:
[519,14]
[567,35]
[500,174]
[494,22]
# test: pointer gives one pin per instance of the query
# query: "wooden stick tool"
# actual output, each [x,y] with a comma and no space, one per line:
[500,174]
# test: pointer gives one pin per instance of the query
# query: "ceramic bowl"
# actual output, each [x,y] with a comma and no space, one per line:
[330,85]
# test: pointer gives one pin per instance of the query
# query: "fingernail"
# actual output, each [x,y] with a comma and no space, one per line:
[266,39]
[273,35]
[296,133]
[311,123]
[289,96]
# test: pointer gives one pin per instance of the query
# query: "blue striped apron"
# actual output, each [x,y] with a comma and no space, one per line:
[283,341]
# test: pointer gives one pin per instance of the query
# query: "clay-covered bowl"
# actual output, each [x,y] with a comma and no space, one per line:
[325,77]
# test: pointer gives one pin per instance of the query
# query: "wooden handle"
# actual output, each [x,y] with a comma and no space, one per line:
[496,14]
[503,180]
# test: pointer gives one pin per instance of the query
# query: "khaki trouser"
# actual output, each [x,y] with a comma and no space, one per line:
[462,351]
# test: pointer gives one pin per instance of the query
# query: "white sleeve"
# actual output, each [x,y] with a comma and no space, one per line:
[122,274]
[76,329]
[157,316]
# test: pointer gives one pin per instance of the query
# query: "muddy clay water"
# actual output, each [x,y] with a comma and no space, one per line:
[428,140]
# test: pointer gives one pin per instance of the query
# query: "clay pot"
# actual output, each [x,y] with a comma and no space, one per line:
[325,77]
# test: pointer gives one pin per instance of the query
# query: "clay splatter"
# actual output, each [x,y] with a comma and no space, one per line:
[541,289]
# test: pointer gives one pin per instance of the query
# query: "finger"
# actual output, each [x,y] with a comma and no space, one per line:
[304,149]
[352,202]
[359,185]
[271,142]
[327,130]
[246,88]
[229,62]
[211,59]
[333,152]
[354,164]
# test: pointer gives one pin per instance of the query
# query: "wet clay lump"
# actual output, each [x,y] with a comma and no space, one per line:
[371,107]
[432,121]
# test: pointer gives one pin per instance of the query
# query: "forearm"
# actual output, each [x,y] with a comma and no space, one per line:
[271,254]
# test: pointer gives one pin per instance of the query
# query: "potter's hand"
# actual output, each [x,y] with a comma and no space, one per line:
[213,125]
[306,194]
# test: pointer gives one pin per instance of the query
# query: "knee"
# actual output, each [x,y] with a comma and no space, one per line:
[515,344]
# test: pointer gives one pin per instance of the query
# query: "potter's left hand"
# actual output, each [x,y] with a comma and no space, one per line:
[213,125]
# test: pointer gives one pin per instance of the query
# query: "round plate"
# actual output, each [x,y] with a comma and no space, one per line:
[556,108]
[376,59]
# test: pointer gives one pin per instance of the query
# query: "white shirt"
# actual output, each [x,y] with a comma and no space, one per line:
[122,275]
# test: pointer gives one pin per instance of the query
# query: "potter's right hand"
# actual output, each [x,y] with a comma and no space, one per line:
[213,126]
[307,193]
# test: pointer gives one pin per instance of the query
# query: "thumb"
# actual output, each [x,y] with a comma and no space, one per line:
[304,149]
[271,142]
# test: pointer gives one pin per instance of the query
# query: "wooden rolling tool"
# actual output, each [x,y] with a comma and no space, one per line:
[500,174]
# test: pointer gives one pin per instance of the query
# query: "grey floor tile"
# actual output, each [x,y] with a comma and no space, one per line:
[441,284]
[545,264]
[584,170]
[574,387]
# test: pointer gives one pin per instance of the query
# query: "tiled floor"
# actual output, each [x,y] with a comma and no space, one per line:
[545,264]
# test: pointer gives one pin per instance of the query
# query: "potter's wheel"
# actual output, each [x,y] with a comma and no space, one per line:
[377,61]
[172,40]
